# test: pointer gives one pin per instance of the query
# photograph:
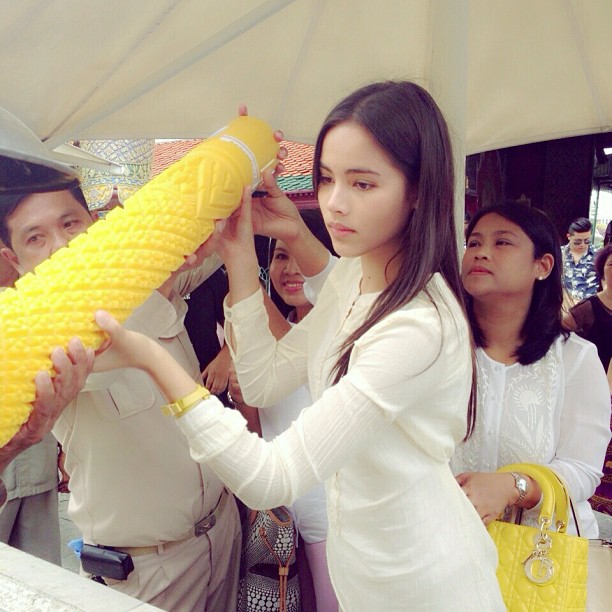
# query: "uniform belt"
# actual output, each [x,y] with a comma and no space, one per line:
[200,528]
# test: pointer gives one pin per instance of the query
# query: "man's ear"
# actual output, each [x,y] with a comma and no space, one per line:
[569,237]
[9,255]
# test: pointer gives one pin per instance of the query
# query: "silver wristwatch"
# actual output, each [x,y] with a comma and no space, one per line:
[522,485]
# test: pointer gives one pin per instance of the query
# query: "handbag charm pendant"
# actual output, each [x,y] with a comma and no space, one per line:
[538,566]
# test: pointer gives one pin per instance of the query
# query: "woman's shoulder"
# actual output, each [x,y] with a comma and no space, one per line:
[346,266]
[574,343]
[442,298]
[584,312]
[576,353]
[345,273]
[341,284]
[585,303]
[434,310]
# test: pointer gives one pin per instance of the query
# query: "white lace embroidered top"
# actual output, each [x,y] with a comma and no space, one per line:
[555,412]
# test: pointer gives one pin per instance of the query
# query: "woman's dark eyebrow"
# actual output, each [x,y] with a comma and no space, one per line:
[503,232]
[352,170]
[495,233]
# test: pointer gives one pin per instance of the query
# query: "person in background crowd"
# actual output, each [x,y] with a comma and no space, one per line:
[310,516]
[608,234]
[542,393]
[30,519]
[592,318]
[182,558]
[467,217]
[579,276]
[204,324]
[72,366]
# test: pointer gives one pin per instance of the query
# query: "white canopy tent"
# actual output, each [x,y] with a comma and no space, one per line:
[505,72]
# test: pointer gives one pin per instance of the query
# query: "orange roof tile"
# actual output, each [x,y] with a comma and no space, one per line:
[165,153]
[299,162]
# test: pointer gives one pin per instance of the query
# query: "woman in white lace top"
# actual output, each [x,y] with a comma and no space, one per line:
[542,393]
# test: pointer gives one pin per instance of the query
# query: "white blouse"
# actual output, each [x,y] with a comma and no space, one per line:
[402,535]
[555,412]
[309,510]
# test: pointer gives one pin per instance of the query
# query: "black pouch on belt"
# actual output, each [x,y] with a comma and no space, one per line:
[106,562]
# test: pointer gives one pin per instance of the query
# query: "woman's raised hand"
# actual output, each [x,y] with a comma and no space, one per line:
[237,250]
[274,214]
[122,348]
[236,243]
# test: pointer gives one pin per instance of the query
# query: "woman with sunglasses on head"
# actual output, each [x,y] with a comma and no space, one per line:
[542,393]
[387,355]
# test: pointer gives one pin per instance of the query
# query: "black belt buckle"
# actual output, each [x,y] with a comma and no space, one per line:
[206,524]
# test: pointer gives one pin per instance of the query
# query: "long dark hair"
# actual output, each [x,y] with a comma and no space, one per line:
[408,125]
[542,325]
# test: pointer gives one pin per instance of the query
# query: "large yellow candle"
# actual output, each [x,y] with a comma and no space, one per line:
[121,259]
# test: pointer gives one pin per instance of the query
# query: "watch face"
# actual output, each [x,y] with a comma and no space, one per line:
[521,484]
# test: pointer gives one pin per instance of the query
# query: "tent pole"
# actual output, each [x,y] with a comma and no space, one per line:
[448,85]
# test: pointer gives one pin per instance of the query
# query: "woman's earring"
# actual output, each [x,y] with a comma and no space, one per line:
[540,278]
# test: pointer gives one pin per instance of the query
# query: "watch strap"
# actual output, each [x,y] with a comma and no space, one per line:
[180,406]
[520,482]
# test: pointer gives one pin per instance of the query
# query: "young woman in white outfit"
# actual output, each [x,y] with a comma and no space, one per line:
[386,353]
[542,392]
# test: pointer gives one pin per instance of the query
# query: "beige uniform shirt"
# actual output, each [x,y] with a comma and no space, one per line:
[33,471]
[132,479]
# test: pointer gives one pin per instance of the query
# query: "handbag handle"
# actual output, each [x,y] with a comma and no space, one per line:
[562,498]
[555,498]
[562,492]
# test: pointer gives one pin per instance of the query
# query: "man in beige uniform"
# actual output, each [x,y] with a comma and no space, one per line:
[28,461]
[134,485]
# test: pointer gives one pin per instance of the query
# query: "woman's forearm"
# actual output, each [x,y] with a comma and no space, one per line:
[173,381]
[243,276]
[310,254]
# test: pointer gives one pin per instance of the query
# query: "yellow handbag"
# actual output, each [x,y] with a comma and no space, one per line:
[542,569]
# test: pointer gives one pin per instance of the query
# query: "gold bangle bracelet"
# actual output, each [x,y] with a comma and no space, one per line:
[180,406]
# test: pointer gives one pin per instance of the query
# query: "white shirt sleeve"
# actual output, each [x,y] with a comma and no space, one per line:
[191,279]
[267,370]
[361,407]
[584,428]
[314,284]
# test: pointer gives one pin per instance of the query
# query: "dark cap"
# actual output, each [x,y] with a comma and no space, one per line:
[26,166]
[8,202]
